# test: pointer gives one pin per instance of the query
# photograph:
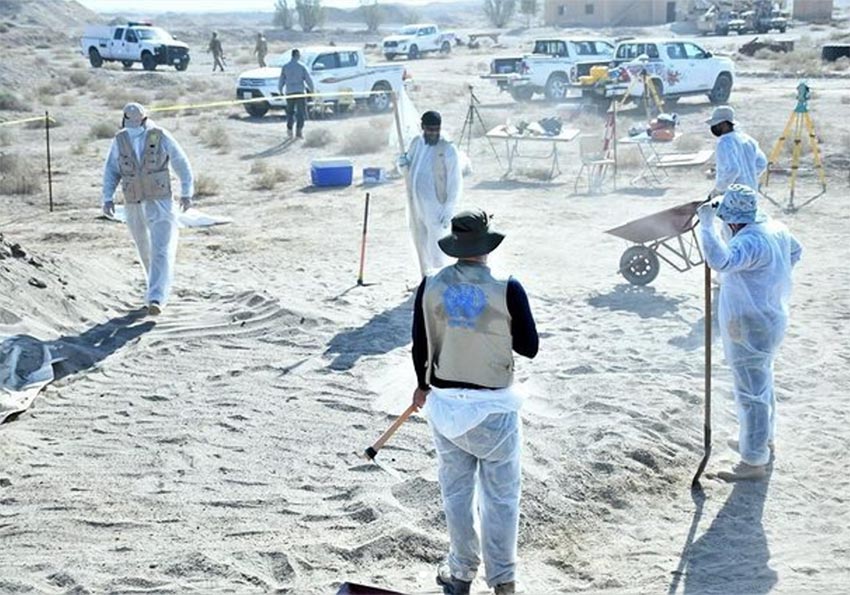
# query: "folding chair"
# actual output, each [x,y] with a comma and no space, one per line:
[594,163]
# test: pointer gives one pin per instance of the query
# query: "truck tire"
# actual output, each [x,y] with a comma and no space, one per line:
[446,48]
[181,66]
[127,63]
[95,58]
[413,52]
[723,31]
[556,87]
[258,109]
[382,102]
[148,61]
[521,94]
[389,57]
[722,89]
[782,29]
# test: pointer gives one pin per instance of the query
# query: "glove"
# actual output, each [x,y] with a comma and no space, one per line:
[109,209]
[705,214]
[403,161]
[185,203]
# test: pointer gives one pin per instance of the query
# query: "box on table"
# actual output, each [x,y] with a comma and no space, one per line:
[331,172]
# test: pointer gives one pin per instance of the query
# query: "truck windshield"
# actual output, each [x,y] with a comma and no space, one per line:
[153,33]
[306,58]
[409,31]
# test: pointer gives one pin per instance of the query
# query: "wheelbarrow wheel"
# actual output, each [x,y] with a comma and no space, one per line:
[639,265]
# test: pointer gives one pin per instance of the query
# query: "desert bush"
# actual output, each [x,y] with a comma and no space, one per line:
[629,158]
[216,137]
[102,130]
[18,176]
[499,12]
[205,186]
[364,139]
[845,100]
[10,101]
[117,97]
[5,137]
[318,137]
[802,61]
[841,64]
[268,177]
[543,174]
[41,61]
[311,14]
[67,100]
[79,78]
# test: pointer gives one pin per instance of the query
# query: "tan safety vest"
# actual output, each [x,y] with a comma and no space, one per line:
[150,179]
[468,326]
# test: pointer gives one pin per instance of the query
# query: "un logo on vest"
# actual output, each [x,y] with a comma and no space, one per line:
[464,303]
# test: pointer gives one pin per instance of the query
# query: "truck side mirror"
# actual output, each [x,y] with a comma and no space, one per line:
[707,55]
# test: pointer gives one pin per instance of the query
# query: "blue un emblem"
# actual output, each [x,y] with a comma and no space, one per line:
[464,303]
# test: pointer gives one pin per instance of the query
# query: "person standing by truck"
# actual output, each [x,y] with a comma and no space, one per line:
[296,80]
[217,51]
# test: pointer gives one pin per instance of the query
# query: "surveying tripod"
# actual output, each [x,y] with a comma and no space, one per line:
[799,118]
[650,93]
[472,114]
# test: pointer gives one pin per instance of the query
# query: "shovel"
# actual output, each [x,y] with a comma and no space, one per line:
[355,589]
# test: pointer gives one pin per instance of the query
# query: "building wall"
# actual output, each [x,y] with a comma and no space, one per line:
[812,10]
[609,13]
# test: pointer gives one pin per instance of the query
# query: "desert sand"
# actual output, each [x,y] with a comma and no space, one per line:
[213,449]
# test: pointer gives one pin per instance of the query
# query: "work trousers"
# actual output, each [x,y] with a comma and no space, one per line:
[486,457]
[296,112]
[153,226]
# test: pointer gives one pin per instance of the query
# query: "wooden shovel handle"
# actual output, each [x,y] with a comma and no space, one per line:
[392,429]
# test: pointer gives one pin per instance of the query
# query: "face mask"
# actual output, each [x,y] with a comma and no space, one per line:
[431,137]
[716,130]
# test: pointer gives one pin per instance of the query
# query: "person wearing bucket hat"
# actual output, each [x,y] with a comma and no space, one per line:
[139,159]
[435,188]
[739,159]
[756,266]
[466,325]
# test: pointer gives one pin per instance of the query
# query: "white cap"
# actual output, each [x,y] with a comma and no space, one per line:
[134,113]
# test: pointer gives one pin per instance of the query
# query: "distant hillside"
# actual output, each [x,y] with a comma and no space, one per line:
[67,17]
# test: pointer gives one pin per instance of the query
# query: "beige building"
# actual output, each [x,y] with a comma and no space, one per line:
[812,10]
[611,13]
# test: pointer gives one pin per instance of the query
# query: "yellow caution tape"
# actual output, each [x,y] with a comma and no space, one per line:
[23,120]
[170,108]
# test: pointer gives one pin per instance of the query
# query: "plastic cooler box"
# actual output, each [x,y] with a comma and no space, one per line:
[331,172]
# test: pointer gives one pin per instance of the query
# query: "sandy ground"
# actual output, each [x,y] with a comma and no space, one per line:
[212,449]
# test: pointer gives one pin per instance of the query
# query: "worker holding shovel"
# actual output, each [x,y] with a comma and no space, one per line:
[755,265]
[466,325]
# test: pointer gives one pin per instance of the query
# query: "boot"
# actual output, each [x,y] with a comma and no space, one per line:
[289,133]
[450,584]
[299,134]
[508,588]
[744,472]
[154,309]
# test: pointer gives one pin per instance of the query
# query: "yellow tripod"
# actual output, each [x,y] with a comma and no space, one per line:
[649,93]
[799,119]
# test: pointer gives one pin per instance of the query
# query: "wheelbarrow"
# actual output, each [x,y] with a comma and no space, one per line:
[667,235]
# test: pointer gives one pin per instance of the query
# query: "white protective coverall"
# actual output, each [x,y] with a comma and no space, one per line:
[152,223]
[753,310]
[479,430]
[739,161]
[435,188]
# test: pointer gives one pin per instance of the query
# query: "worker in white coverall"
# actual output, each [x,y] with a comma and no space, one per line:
[466,325]
[139,159]
[435,186]
[755,265]
[739,159]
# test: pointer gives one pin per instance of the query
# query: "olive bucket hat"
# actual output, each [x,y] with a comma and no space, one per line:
[471,235]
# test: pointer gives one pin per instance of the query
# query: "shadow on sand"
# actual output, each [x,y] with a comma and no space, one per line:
[644,301]
[733,555]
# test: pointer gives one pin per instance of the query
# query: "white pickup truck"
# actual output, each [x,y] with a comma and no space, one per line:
[414,41]
[678,68]
[131,43]
[547,69]
[334,69]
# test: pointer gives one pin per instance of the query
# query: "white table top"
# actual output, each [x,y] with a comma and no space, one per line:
[566,135]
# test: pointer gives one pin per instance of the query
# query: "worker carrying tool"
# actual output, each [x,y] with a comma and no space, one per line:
[755,265]
[466,325]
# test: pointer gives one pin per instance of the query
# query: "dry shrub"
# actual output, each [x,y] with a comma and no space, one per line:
[841,64]
[804,60]
[318,137]
[117,97]
[67,100]
[169,95]
[688,142]
[845,100]
[79,78]
[216,137]
[40,61]
[628,158]
[10,101]
[18,176]
[268,177]
[102,130]
[364,139]
[205,186]
[5,137]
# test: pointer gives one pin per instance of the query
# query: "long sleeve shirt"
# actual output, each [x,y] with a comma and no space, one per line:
[295,77]
[176,157]
[525,340]
[739,161]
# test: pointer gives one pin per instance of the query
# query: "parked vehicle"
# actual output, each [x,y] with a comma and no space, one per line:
[334,69]
[131,43]
[414,41]
[547,68]
[678,68]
